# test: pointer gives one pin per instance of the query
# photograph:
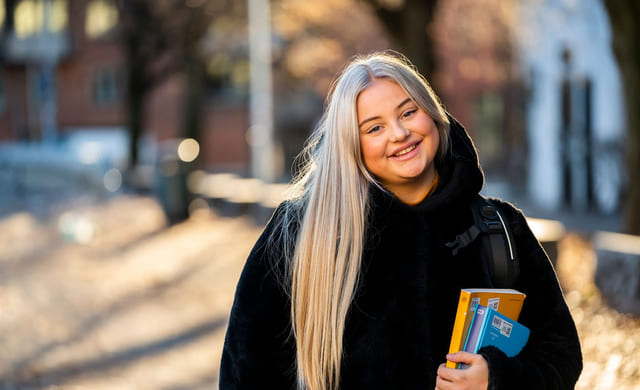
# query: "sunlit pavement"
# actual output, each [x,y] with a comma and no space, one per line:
[107,296]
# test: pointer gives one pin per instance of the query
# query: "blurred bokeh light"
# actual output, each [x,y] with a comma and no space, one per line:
[188,150]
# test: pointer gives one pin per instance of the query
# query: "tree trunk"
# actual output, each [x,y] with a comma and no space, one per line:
[136,92]
[417,42]
[193,101]
[409,26]
[9,8]
[625,24]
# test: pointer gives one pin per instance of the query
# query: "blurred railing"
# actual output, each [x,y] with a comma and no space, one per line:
[38,176]
[42,168]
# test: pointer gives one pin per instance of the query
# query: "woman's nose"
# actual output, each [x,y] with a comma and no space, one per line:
[399,132]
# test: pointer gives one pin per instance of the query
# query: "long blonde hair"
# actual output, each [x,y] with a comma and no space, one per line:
[331,193]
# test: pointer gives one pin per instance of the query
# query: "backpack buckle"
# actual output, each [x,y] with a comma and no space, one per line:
[463,239]
[493,226]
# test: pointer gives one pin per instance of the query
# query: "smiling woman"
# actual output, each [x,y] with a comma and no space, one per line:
[399,140]
[352,286]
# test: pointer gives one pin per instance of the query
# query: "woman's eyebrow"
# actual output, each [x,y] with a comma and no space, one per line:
[405,101]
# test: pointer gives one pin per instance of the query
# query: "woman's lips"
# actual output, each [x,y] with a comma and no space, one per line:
[406,152]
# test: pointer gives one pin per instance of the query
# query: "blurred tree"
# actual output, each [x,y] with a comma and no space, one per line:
[9,7]
[312,41]
[315,39]
[480,82]
[197,21]
[625,22]
[161,39]
[408,22]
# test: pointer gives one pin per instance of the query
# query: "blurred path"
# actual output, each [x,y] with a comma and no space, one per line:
[109,297]
[138,306]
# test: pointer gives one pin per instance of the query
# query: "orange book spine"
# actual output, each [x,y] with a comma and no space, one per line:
[457,336]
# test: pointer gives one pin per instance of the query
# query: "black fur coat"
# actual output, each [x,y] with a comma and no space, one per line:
[399,326]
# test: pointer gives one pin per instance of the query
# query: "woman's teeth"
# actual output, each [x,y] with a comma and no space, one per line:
[405,151]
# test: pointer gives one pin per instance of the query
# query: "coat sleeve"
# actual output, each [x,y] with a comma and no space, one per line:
[259,351]
[552,358]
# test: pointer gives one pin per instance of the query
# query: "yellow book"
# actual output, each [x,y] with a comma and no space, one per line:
[506,301]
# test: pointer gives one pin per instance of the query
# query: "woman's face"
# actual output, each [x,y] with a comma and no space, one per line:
[399,141]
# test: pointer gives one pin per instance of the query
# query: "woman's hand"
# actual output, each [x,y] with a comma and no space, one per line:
[475,377]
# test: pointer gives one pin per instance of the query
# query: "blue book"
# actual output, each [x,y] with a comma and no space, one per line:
[474,329]
[489,327]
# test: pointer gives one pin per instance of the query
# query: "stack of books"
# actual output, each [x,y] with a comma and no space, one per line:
[488,317]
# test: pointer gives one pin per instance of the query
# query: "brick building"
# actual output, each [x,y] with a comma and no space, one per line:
[62,71]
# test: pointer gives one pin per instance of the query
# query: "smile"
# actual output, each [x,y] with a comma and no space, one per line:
[405,151]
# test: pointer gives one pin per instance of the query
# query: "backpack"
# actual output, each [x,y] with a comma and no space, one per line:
[497,242]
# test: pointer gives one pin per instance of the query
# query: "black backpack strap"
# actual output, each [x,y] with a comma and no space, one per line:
[498,249]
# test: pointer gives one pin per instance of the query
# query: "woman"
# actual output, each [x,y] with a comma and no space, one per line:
[351,285]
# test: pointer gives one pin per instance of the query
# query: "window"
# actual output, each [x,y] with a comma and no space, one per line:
[489,114]
[43,84]
[33,16]
[228,75]
[106,86]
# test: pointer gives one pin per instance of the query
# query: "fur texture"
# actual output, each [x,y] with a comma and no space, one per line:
[400,323]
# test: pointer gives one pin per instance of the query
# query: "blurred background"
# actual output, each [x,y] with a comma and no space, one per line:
[144,143]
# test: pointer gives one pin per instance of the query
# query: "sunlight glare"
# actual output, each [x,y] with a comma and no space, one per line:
[188,150]
[102,17]
[28,18]
[2,15]
[90,153]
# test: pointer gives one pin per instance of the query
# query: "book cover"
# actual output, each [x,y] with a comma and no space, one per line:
[506,301]
[474,329]
[471,341]
[500,331]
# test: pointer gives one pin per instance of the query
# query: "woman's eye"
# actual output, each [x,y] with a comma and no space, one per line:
[374,129]
[408,113]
